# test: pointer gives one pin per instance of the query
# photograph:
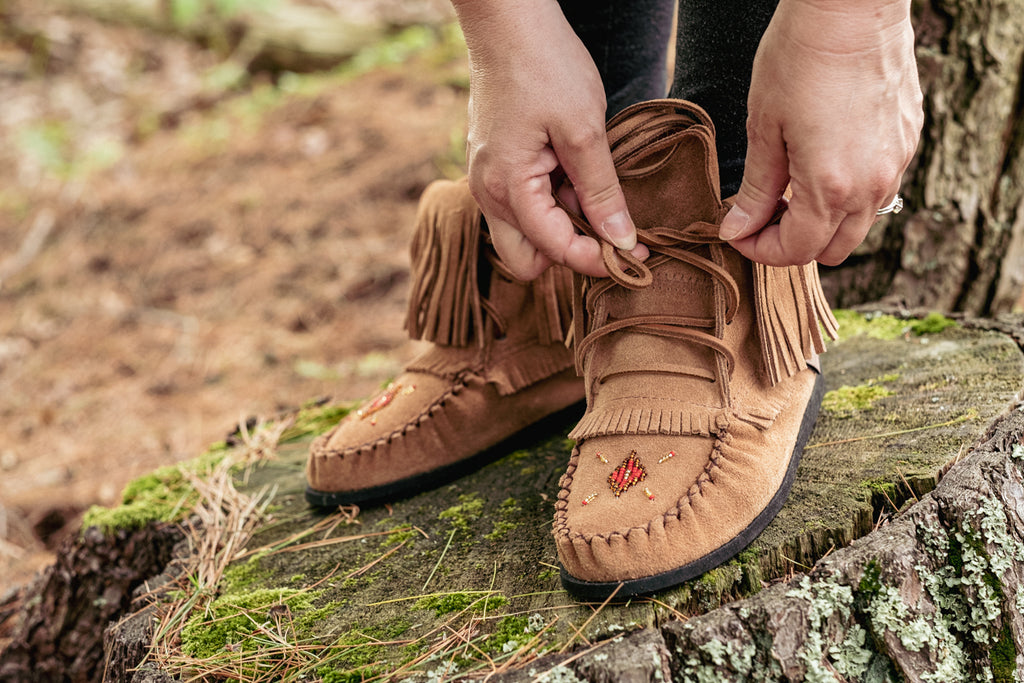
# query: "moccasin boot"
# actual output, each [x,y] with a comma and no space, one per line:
[497,364]
[698,368]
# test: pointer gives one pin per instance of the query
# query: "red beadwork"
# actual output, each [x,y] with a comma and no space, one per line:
[628,474]
[380,402]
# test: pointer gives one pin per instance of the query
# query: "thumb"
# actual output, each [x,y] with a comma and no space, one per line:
[592,172]
[765,176]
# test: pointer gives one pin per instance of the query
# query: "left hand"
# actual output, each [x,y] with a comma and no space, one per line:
[835,113]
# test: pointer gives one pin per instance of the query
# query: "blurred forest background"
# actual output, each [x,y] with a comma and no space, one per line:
[205,207]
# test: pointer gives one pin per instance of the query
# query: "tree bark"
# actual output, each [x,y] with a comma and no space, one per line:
[59,631]
[959,245]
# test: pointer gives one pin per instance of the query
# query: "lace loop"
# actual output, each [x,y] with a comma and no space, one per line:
[642,144]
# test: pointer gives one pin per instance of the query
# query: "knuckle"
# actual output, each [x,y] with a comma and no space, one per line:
[760,129]
[585,135]
[757,191]
[835,188]
[831,259]
[489,186]
[799,257]
[602,195]
[879,184]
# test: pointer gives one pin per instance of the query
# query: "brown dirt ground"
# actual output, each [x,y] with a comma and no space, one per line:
[238,259]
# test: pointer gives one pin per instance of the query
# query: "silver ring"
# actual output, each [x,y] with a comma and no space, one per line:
[895,206]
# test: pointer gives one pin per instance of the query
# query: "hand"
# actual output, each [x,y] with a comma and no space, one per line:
[536,117]
[835,113]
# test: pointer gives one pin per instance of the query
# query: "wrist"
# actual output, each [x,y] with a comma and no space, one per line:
[838,27]
[492,26]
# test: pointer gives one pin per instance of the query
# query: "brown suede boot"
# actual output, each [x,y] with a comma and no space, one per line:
[700,397]
[498,364]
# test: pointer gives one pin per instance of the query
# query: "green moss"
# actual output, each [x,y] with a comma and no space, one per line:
[933,323]
[399,536]
[360,654]
[315,419]
[870,582]
[880,486]
[243,576]
[231,621]
[161,496]
[879,326]
[547,574]
[511,633]
[847,401]
[503,525]
[446,603]
[157,497]
[461,516]
[1004,656]
[853,324]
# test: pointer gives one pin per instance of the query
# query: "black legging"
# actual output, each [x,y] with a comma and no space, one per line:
[715,45]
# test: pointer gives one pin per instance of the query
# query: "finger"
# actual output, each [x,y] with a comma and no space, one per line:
[515,251]
[587,161]
[765,176]
[805,230]
[567,195]
[852,230]
[850,233]
[549,230]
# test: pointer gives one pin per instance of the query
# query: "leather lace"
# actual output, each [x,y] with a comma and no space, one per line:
[500,324]
[643,148]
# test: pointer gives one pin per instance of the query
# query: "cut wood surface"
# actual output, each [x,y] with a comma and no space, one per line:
[466,575]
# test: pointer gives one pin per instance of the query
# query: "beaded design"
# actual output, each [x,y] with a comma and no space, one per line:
[588,499]
[628,474]
[382,401]
[647,491]
[671,454]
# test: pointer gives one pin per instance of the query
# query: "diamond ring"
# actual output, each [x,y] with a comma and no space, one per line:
[895,206]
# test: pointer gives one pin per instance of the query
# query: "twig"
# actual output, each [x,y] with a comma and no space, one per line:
[795,563]
[366,568]
[443,552]
[907,484]
[592,616]
[969,415]
[679,615]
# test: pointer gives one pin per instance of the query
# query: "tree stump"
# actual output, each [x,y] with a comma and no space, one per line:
[463,580]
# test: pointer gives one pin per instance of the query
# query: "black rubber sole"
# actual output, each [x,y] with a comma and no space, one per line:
[410,486]
[598,591]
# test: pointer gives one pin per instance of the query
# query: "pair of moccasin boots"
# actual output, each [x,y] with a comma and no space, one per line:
[697,366]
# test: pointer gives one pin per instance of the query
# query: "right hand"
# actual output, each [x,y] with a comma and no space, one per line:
[536,116]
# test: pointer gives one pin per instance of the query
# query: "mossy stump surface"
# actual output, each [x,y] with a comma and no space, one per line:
[463,580]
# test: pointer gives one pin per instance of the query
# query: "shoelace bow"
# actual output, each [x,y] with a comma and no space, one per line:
[655,138]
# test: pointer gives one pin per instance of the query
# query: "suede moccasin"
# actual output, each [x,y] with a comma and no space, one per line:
[497,364]
[698,370]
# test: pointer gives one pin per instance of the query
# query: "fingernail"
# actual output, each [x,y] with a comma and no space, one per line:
[618,229]
[734,224]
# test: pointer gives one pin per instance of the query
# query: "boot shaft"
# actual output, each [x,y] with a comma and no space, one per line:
[465,301]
